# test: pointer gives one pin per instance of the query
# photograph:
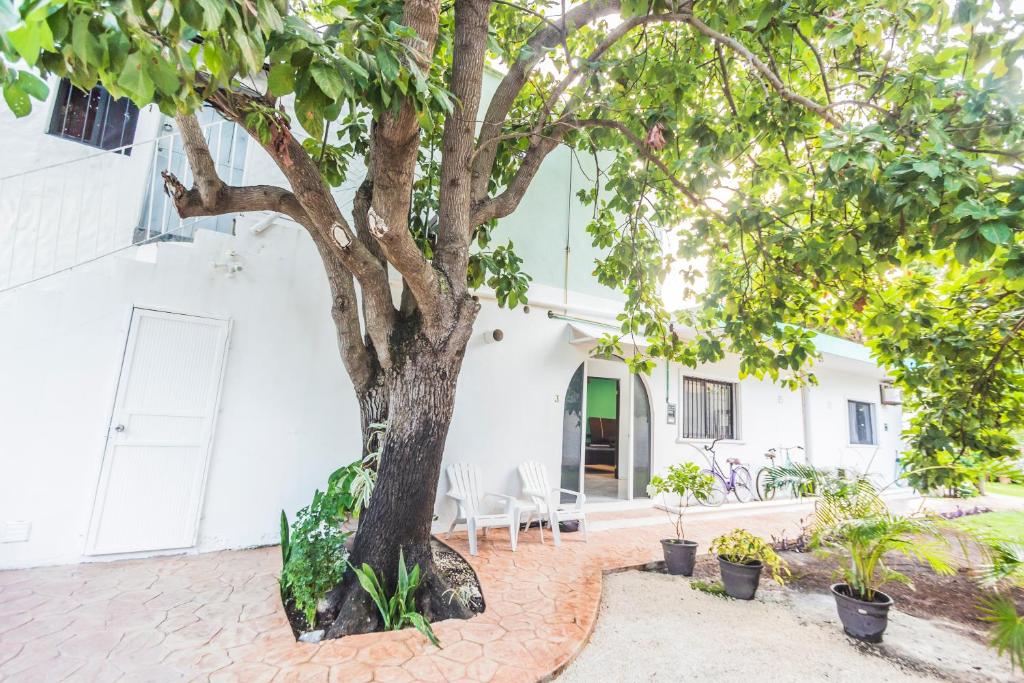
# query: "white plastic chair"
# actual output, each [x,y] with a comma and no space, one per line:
[464,487]
[547,499]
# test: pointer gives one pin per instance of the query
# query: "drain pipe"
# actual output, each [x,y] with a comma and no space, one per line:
[805,410]
[568,229]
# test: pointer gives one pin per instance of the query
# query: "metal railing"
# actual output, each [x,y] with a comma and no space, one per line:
[62,215]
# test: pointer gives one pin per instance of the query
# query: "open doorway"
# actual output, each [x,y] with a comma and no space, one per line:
[606,433]
[602,452]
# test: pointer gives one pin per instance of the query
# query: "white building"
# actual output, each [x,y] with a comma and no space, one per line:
[169,386]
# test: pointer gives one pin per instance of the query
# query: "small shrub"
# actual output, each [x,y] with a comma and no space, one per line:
[742,547]
[684,480]
[314,554]
[399,610]
[863,542]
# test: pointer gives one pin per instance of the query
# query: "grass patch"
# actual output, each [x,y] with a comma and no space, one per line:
[1007,526]
[1006,489]
[709,587]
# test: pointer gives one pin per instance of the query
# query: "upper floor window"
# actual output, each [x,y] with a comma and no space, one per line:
[708,409]
[862,423]
[93,117]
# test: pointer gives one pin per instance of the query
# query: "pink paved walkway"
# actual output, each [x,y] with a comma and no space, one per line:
[217,616]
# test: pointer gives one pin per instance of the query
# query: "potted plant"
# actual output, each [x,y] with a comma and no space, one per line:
[863,542]
[684,480]
[741,557]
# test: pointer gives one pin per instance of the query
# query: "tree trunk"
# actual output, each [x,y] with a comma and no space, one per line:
[421,393]
[373,409]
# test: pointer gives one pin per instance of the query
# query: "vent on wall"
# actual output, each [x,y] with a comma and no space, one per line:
[15,532]
[891,396]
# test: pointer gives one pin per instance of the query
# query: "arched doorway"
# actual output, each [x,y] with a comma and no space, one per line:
[606,432]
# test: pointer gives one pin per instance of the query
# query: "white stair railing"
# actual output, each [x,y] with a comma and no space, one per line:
[66,214]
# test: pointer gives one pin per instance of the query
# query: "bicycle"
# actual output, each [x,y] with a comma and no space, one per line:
[761,480]
[738,482]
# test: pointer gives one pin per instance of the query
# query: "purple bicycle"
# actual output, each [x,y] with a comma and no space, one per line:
[738,480]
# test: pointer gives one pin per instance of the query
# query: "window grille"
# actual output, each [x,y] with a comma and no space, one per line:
[93,118]
[708,409]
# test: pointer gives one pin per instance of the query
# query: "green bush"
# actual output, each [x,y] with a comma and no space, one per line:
[314,554]
[742,547]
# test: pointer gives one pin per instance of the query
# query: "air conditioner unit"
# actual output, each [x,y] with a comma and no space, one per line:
[890,395]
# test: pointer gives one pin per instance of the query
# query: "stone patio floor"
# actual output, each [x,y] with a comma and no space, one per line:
[217,616]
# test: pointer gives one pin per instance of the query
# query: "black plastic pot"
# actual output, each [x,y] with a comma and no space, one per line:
[680,556]
[861,619]
[740,580]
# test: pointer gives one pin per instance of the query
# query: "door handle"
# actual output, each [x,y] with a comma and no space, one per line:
[119,428]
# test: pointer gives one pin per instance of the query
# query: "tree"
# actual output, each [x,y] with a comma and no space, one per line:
[809,152]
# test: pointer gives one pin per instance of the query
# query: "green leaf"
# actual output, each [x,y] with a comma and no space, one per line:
[387,63]
[929,168]
[327,79]
[17,100]
[837,161]
[135,78]
[32,85]
[28,41]
[281,79]
[165,76]
[996,233]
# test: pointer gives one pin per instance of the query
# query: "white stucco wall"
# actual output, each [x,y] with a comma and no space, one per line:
[287,414]
[840,381]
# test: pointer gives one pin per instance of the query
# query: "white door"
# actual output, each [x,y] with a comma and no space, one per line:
[154,467]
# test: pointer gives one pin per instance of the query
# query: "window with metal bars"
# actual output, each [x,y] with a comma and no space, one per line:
[708,409]
[93,118]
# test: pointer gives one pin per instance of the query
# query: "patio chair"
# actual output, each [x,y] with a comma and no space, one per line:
[464,487]
[547,500]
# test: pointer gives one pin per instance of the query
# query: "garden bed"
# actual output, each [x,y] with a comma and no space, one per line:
[449,564]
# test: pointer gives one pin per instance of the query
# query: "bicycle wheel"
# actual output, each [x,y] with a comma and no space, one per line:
[718,491]
[744,485]
[761,485]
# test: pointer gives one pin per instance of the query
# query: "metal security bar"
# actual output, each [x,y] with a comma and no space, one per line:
[69,213]
[94,118]
[707,409]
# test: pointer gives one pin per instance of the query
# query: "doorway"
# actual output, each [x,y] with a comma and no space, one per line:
[154,467]
[606,433]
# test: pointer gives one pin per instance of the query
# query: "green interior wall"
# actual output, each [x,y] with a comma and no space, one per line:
[602,397]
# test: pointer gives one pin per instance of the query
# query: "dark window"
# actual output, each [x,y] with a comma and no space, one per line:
[862,423]
[708,410]
[93,118]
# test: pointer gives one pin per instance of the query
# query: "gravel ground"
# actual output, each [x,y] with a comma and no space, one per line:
[654,627]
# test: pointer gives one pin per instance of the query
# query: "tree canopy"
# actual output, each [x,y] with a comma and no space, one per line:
[837,166]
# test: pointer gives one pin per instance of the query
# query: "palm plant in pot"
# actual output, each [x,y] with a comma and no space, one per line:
[741,558]
[685,481]
[863,543]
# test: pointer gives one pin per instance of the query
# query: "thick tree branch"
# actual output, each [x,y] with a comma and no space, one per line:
[507,201]
[455,191]
[512,83]
[210,196]
[395,145]
[231,199]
